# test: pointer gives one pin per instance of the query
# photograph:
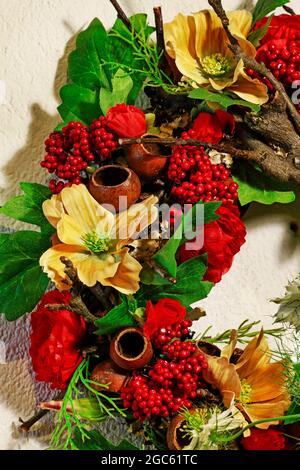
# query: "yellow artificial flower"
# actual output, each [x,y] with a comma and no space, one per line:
[199,46]
[258,386]
[95,240]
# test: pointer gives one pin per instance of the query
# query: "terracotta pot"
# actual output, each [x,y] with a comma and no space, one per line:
[176,439]
[110,182]
[147,160]
[107,372]
[130,349]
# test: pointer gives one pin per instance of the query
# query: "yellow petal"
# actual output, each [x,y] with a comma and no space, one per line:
[126,279]
[93,269]
[249,89]
[267,382]
[228,350]
[272,409]
[51,264]
[69,231]
[255,355]
[180,45]
[83,208]
[222,375]
[240,22]
[210,35]
[53,209]
[138,217]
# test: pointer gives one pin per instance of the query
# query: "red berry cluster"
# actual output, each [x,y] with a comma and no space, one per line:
[165,335]
[196,178]
[73,149]
[102,140]
[283,61]
[172,383]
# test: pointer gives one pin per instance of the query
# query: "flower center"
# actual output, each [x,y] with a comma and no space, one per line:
[97,243]
[245,392]
[216,65]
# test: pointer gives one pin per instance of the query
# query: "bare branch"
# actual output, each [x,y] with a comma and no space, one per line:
[121,14]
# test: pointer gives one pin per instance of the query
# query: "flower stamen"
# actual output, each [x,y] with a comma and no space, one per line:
[216,65]
[97,243]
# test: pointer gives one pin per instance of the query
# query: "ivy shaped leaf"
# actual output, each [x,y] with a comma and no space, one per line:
[166,256]
[223,99]
[118,317]
[22,282]
[121,86]
[255,186]
[78,104]
[28,207]
[189,287]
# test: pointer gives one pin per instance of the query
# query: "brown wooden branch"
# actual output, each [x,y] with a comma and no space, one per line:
[27,425]
[101,295]
[159,25]
[77,306]
[289,10]
[121,14]
[252,63]
[162,272]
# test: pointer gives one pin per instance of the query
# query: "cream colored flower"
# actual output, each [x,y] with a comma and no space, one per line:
[199,46]
[95,240]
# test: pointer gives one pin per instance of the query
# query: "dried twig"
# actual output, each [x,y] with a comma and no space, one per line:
[252,63]
[121,14]
[156,267]
[26,425]
[159,29]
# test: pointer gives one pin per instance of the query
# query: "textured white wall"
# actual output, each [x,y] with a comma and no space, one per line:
[35,38]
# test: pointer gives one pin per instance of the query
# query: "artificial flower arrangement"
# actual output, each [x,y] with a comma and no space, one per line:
[200,119]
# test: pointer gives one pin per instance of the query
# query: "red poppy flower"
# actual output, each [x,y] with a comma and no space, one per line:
[223,238]
[264,439]
[126,121]
[165,313]
[281,27]
[209,127]
[54,340]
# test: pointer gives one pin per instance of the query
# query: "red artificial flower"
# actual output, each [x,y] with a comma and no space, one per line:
[54,339]
[264,439]
[209,127]
[223,238]
[281,27]
[163,314]
[126,121]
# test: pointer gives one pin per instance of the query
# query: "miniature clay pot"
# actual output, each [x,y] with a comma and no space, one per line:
[147,160]
[130,349]
[107,372]
[109,182]
[176,438]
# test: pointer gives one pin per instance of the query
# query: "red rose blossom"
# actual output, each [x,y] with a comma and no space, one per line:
[209,127]
[264,439]
[281,27]
[165,313]
[126,121]
[223,238]
[54,340]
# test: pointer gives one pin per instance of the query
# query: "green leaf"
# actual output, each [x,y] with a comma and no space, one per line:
[119,317]
[95,441]
[22,282]
[79,104]
[121,86]
[264,7]
[86,62]
[254,185]
[28,207]
[294,409]
[165,257]
[223,99]
[256,36]
[188,289]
